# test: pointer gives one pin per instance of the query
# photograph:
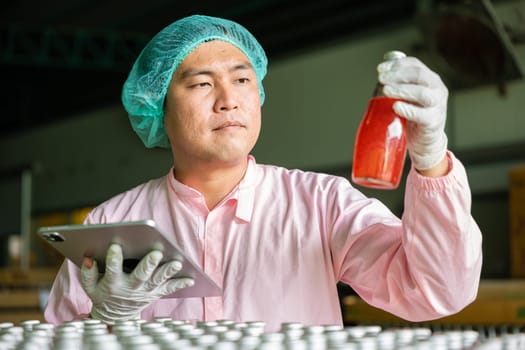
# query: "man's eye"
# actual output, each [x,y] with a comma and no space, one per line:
[203,84]
[243,80]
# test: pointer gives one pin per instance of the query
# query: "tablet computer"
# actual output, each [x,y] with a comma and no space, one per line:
[137,239]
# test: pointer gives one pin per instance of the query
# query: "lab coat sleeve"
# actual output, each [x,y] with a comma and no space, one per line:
[67,300]
[426,265]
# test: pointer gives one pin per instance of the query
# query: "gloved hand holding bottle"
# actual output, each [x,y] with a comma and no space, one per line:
[121,296]
[424,106]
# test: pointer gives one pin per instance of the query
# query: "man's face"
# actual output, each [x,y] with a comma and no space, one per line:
[213,113]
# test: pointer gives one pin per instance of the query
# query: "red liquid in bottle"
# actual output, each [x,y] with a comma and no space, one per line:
[380,146]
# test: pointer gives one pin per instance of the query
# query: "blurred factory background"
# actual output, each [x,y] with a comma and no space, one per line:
[66,144]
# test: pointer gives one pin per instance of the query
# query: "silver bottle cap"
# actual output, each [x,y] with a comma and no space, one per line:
[393,55]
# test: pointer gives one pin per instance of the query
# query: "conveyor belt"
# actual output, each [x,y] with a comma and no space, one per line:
[167,334]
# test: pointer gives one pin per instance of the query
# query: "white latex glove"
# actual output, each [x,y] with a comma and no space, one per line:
[425,110]
[121,296]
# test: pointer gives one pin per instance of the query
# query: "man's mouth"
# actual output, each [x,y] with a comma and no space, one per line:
[228,124]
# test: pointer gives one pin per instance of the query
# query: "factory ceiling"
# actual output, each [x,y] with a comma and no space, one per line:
[59,58]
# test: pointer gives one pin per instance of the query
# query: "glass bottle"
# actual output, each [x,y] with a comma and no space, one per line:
[380,144]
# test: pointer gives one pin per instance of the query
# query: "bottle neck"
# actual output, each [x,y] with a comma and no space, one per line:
[388,56]
[378,90]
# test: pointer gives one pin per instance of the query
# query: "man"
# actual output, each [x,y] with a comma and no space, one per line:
[276,240]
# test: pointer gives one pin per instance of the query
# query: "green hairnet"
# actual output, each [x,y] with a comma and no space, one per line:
[145,89]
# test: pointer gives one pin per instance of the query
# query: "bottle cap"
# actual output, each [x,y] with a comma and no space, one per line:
[393,55]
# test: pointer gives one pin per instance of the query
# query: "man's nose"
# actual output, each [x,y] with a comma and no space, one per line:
[226,98]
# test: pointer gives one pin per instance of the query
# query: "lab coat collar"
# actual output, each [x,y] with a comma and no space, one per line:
[243,193]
